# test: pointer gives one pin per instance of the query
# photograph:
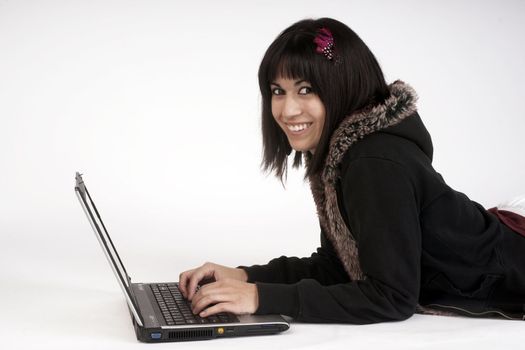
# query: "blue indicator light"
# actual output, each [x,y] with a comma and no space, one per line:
[156,335]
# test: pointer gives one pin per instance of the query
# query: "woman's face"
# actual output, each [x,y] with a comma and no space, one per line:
[299,112]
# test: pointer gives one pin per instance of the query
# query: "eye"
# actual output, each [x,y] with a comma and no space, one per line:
[305,90]
[277,91]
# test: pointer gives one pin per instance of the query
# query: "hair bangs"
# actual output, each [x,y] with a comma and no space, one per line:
[296,62]
[346,84]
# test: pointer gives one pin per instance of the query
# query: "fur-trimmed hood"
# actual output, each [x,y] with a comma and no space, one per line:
[400,105]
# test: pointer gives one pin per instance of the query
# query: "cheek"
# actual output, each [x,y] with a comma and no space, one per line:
[320,115]
[276,112]
[321,121]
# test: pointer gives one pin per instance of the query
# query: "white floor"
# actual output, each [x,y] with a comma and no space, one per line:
[49,305]
[157,102]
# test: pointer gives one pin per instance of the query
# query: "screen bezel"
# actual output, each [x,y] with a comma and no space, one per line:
[107,246]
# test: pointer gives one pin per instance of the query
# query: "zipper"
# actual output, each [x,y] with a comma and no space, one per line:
[478,314]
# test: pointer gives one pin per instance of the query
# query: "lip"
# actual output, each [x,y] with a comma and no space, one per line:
[300,132]
[298,123]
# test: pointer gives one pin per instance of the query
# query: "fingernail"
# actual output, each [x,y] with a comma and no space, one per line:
[202,314]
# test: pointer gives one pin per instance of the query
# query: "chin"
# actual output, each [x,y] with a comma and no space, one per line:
[301,149]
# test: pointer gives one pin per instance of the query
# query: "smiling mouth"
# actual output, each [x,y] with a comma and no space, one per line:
[298,127]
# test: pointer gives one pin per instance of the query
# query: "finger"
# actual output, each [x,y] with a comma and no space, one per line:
[201,301]
[212,295]
[218,308]
[202,272]
[183,281]
[207,302]
[209,288]
[201,304]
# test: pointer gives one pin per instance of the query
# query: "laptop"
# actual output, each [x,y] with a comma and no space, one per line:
[159,312]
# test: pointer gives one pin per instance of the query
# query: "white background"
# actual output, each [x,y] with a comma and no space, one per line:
[157,103]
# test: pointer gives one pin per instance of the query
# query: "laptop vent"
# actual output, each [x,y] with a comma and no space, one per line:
[191,334]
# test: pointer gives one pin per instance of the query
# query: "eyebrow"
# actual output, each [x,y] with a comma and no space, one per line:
[296,83]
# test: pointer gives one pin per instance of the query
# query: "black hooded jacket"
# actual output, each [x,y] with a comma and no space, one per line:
[421,244]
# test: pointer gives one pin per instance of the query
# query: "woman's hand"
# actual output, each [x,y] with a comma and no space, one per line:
[227,295]
[189,280]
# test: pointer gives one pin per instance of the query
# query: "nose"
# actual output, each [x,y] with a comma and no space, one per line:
[291,108]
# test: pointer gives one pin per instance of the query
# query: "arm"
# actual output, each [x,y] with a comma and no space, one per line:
[381,209]
[323,266]
[232,292]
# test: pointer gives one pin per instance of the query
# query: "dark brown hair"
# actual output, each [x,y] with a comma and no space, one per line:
[349,82]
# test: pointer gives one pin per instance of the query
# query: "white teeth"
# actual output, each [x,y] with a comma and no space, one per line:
[298,127]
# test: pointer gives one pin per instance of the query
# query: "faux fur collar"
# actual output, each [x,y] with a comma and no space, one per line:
[400,104]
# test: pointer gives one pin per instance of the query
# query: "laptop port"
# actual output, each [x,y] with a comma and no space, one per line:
[155,335]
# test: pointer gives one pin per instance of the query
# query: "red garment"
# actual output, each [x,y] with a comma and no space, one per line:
[514,221]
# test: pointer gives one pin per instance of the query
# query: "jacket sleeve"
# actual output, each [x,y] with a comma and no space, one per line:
[323,266]
[381,209]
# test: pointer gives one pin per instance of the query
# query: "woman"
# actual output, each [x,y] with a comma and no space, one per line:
[395,239]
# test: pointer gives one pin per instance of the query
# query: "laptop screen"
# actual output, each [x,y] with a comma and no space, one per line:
[107,245]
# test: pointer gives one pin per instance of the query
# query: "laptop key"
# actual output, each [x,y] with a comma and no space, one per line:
[177,310]
[200,319]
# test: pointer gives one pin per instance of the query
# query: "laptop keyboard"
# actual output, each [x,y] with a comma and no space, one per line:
[177,310]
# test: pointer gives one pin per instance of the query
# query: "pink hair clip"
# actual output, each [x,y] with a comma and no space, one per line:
[325,43]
